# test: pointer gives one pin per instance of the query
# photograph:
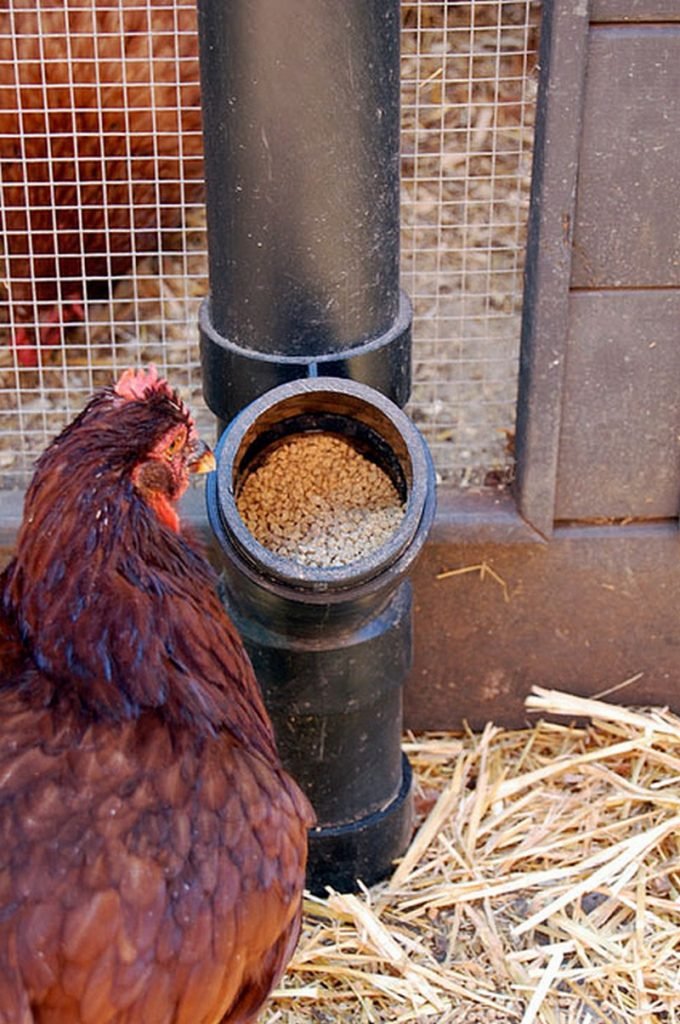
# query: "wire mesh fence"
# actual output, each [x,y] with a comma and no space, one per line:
[102,230]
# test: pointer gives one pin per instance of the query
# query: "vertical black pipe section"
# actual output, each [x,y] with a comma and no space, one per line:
[331,645]
[301,126]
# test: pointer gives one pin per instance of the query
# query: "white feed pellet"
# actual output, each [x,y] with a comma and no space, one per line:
[317,500]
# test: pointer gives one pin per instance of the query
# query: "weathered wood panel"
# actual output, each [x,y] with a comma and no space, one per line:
[564,33]
[634,10]
[589,609]
[627,219]
[620,424]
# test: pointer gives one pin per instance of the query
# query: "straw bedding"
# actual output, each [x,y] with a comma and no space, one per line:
[543,884]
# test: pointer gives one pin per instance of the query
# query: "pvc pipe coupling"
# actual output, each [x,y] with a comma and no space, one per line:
[331,644]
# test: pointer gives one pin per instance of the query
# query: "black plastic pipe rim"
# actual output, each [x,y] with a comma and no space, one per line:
[366,419]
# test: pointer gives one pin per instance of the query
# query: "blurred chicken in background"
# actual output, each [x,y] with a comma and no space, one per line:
[100,149]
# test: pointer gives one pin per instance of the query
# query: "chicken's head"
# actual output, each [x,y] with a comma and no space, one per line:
[162,439]
[136,437]
[99,551]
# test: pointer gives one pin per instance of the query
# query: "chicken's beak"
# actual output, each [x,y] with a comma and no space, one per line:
[202,460]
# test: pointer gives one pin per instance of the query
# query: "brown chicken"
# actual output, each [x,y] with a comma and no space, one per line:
[152,849]
[101,148]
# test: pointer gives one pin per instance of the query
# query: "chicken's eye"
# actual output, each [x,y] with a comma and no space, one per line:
[174,447]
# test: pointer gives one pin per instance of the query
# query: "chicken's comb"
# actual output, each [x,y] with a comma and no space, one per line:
[136,385]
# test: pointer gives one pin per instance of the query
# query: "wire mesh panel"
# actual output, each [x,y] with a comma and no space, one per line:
[468,99]
[100,169]
[102,228]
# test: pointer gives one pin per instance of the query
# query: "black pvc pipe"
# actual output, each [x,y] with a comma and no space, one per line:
[301,125]
[331,646]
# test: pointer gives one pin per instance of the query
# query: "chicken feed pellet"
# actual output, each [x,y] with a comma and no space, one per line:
[315,499]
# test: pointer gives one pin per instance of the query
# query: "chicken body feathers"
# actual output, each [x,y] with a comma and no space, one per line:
[152,849]
[155,879]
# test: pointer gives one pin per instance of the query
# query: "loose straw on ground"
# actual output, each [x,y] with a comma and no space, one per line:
[542,885]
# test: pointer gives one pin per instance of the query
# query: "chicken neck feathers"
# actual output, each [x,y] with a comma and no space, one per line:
[113,605]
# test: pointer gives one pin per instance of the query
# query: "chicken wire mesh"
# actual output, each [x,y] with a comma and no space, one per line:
[102,227]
